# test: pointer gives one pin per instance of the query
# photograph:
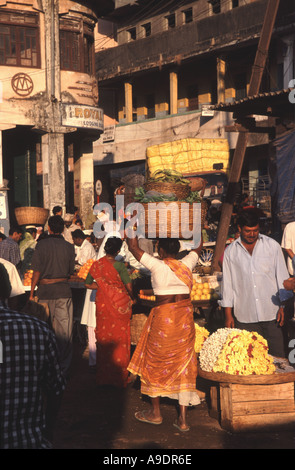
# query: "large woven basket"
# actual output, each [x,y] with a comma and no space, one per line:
[161,222]
[136,326]
[31,215]
[181,191]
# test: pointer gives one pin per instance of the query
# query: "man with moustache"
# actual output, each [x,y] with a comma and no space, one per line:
[253,293]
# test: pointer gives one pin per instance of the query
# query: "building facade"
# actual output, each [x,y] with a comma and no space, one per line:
[49,114]
[167,62]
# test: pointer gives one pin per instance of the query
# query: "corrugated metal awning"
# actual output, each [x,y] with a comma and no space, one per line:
[273,103]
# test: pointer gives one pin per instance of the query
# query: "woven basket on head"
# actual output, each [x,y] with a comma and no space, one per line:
[159,221]
[181,191]
[31,215]
[136,326]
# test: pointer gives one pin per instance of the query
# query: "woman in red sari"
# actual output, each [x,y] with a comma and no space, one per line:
[113,313]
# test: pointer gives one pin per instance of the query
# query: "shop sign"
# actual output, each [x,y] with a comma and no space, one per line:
[108,134]
[87,117]
[207,111]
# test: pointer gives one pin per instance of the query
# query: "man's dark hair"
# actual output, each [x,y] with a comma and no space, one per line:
[56,224]
[113,245]
[2,236]
[170,245]
[31,230]
[248,218]
[15,229]
[78,234]
[56,209]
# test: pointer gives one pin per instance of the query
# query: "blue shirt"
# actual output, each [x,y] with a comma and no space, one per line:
[253,284]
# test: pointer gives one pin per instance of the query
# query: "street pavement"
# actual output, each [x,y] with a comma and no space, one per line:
[102,418]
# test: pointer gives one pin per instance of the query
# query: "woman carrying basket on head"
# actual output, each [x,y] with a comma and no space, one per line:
[165,358]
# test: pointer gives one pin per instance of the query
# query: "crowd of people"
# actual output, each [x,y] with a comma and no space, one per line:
[257,286]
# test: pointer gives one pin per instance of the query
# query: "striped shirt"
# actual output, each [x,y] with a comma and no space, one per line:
[28,368]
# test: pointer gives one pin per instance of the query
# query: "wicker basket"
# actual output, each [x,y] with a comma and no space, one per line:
[161,222]
[31,215]
[136,326]
[181,191]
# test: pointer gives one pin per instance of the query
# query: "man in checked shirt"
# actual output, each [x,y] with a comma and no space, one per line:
[29,372]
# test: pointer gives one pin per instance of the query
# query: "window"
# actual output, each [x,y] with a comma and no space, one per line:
[188,15]
[147,29]
[132,34]
[171,21]
[69,51]
[235,3]
[216,8]
[19,39]
[76,48]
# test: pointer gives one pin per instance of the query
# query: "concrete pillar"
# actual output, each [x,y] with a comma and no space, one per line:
[53,170]
[221,66]
[84,181]
[173,78]
[128,102]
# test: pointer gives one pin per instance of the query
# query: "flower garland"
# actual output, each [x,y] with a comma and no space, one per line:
[236,352]
[201,335]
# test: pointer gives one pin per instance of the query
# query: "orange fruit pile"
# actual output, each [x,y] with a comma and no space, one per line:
[84,270]
[28,277]
[143,296]
[201,291]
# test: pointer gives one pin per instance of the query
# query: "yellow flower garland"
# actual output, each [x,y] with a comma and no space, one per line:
[201,335]
[236,352]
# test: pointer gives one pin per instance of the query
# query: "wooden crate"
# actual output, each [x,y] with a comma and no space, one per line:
[252,403]
[248,407]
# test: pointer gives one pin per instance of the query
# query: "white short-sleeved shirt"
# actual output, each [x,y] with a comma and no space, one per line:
[288,242]
[163,279]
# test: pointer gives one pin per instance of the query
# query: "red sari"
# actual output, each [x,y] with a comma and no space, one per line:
[113,313]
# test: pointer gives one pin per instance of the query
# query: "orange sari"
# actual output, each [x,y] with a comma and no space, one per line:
[164,357]
[113,313]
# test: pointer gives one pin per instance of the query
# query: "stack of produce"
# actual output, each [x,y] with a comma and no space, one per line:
[166,185]
[189,156]
[28,277]
[202,291]
[236,352]
[167,219]
[84,270]
[146,296]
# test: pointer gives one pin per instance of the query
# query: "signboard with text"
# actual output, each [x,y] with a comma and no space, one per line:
[87,117]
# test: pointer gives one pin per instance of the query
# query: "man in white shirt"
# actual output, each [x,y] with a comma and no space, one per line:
[85,249]
[253,294]
[288,245]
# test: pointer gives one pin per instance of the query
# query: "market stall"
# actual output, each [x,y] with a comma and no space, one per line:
[250,390]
